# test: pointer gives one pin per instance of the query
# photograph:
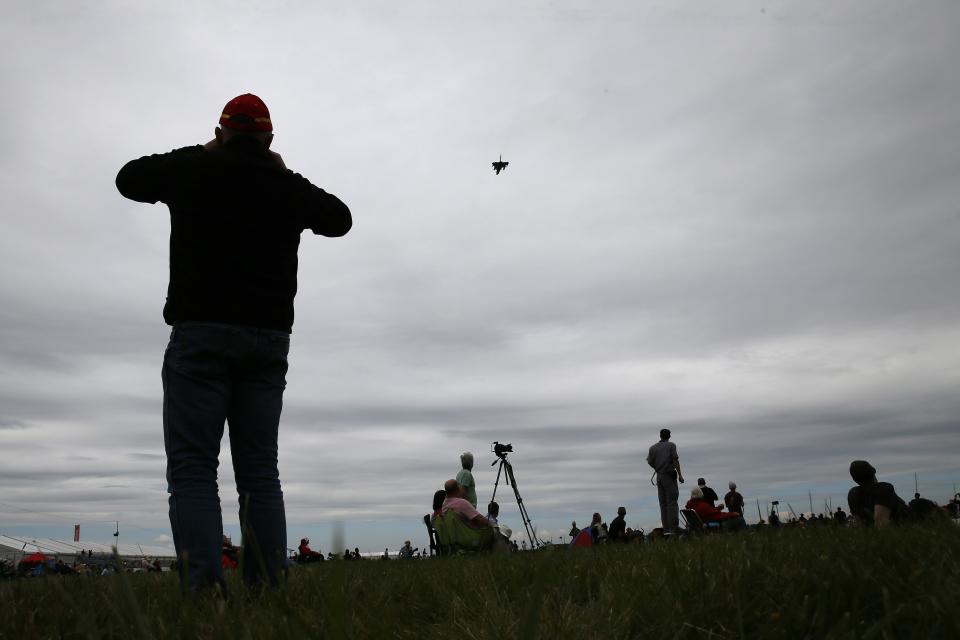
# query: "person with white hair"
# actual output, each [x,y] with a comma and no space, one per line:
[733,499]
[709,513]
[465,478]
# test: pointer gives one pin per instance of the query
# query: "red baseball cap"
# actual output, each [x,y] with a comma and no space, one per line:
[246,113]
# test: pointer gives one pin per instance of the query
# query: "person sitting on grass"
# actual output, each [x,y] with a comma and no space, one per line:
[708,513]
[922,508]
[493,511]
[595,531]
[874,503]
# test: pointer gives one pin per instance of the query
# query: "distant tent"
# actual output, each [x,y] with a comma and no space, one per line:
[583,539]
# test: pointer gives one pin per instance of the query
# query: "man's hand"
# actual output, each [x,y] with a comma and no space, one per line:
[680,478]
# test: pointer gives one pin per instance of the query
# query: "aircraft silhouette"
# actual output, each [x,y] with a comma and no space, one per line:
[500,165]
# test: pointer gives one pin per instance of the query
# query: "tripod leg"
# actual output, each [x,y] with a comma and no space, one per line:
[497,481]
[524,516]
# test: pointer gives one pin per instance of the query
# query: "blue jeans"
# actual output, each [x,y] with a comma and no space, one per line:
[215,373]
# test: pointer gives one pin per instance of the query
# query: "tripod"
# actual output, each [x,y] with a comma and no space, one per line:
[511,481]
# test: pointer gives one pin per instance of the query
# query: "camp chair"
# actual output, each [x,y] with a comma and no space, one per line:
[695,524]
[434,547]
[454,536]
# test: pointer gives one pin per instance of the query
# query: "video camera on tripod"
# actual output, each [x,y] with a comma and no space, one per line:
[501,451]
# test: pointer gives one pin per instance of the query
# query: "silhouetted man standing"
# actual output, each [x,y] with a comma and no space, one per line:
[666,463]
[236,215]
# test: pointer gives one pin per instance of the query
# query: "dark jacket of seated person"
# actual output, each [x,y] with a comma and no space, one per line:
[871,502]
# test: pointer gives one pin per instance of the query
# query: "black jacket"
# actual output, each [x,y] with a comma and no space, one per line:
[235,223]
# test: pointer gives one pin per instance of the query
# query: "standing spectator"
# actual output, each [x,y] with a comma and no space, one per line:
[236,215]
[873,503]
[618,526]
[574,530]
[666,464]
[465,478]
[708,494]
[733,499]
[839,516]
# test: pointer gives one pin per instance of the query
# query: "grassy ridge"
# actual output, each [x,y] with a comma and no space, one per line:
[806,583]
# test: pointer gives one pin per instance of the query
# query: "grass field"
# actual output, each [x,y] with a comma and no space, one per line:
[800,583]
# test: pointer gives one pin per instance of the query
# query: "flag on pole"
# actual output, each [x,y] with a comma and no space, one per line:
[76,533]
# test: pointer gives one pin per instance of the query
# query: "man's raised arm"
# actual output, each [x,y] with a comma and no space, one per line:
[147,179]
[323,213]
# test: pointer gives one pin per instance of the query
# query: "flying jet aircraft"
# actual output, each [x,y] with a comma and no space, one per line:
[500,165]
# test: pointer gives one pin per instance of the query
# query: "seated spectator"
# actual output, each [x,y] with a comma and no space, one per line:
[921,508]
[733,499]
[618,527]
[230,555]
[709,513]
[874,503]
[456,500]
[481,534]
[306,553]
[493,511]
[595,522]
[708,494]
[438,499]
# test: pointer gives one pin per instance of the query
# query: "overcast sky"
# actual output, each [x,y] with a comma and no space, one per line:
[736,219]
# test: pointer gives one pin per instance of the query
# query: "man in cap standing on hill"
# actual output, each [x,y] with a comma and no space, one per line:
[236,215]
[666,464]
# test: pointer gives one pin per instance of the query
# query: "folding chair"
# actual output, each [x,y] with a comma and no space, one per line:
[695,524]
[434,547]
[454,536]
